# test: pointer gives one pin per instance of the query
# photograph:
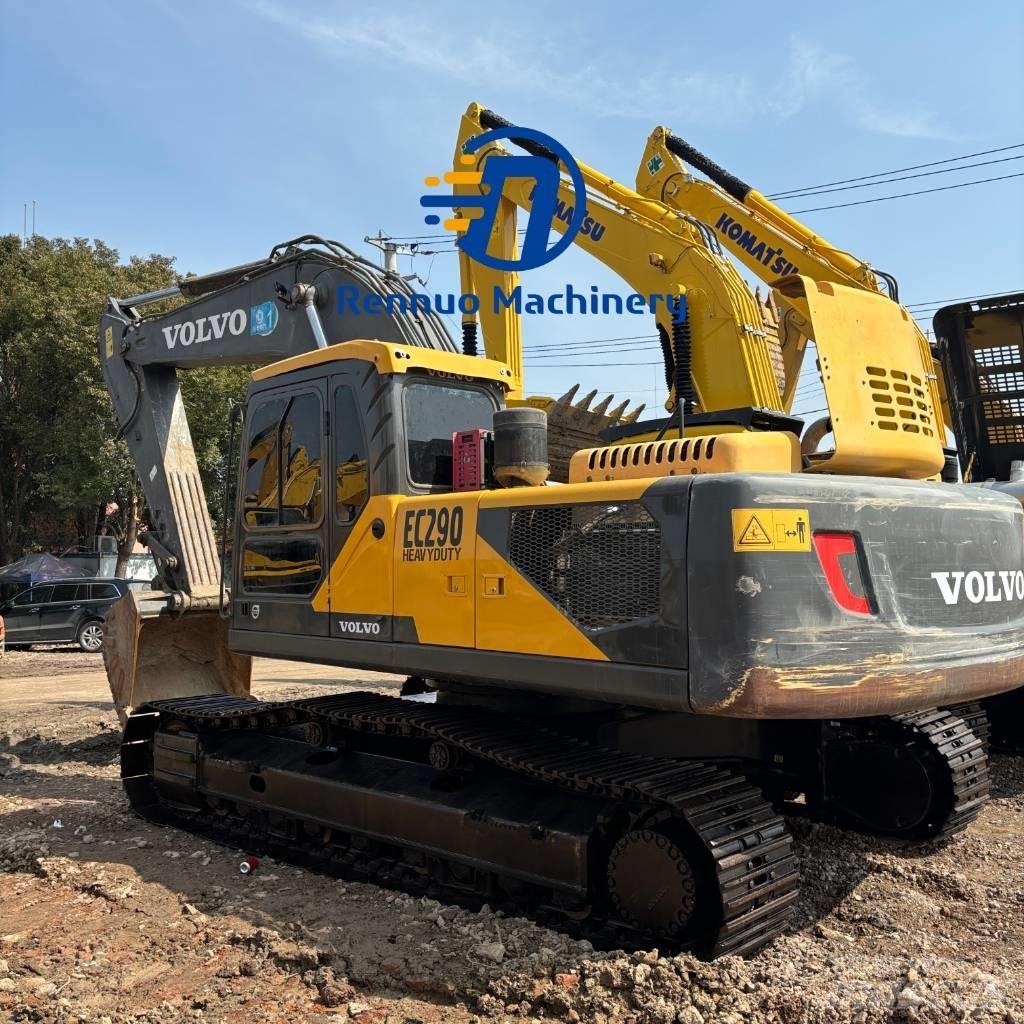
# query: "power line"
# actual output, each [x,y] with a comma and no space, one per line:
[904,195]
[898,170]
[960,298]
[591,341]
[904,177]
[584,366]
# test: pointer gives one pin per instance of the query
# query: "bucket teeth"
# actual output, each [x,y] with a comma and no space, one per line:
[573,425]
[616,414]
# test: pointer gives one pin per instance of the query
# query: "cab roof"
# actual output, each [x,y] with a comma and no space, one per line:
[390,357]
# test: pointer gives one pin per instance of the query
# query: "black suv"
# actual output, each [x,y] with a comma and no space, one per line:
[59,611]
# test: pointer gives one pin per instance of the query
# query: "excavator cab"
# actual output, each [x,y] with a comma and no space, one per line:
[313,553]
[304,505]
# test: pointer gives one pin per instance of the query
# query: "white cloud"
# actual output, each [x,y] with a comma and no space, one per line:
[809,74]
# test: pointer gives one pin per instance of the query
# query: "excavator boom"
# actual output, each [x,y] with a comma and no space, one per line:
[728,352]
[261,312]
[772,244]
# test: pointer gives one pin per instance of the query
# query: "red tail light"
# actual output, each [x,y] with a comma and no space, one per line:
[831,548]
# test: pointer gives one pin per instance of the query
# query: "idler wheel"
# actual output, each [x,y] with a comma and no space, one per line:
[652,883]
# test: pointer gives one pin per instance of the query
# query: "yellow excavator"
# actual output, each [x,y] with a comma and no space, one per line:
[726,357]
[629,667]
[773,245]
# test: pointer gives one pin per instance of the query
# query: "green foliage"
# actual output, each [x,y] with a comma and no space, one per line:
[59,456]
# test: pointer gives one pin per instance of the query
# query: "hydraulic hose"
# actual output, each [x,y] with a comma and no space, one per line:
[469,347]
[682,357]
[695,158]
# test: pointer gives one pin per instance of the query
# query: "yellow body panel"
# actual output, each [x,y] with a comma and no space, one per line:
[460,594]
[767,452]
[879,394]
[435,578]
[389,357]
[360,579]
[512,615]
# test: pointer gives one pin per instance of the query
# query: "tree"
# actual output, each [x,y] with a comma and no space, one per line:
[60,458]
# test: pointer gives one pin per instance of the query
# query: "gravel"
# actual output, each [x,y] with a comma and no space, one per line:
[110,919]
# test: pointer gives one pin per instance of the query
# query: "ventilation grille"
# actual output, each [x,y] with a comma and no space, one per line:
[999,374]
[997,355]
[651,453]
[601,564]
[901,401]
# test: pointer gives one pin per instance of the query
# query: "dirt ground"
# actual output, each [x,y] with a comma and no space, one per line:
[104,918]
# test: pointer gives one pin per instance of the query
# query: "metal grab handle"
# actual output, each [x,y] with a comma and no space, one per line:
[34,609]
[75,607]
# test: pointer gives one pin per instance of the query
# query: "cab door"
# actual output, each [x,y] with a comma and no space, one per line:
[283,528]
[359,591]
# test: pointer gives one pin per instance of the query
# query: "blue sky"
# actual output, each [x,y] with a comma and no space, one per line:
[212,131]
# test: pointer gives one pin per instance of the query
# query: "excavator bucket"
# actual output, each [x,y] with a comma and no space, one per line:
[574,425]
[154,653]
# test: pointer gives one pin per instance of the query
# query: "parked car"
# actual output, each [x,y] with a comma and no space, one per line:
[61,611]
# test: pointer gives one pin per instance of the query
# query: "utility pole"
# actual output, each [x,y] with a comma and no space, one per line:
[33,218]
[392,250]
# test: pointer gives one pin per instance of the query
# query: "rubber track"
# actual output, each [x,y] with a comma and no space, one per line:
[964,755]
[746,840]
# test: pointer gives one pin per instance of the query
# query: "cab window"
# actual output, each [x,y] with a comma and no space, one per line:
[282,485]
[66,592]
[37,595]
[282,565]
[351,480]
[433,413]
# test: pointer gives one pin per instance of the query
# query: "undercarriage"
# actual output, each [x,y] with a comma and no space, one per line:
[602,835]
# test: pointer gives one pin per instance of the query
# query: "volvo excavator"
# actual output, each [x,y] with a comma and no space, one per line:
[629,667]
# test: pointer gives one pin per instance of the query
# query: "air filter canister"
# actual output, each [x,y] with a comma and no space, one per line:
[521,447]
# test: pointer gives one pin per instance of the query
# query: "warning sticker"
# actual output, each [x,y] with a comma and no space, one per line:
[771,529]
[108,338]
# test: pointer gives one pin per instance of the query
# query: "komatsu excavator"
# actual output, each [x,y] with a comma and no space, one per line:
[626,664]
[726,356]
[775,246]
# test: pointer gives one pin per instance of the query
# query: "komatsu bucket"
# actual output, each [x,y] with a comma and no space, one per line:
[153,650]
